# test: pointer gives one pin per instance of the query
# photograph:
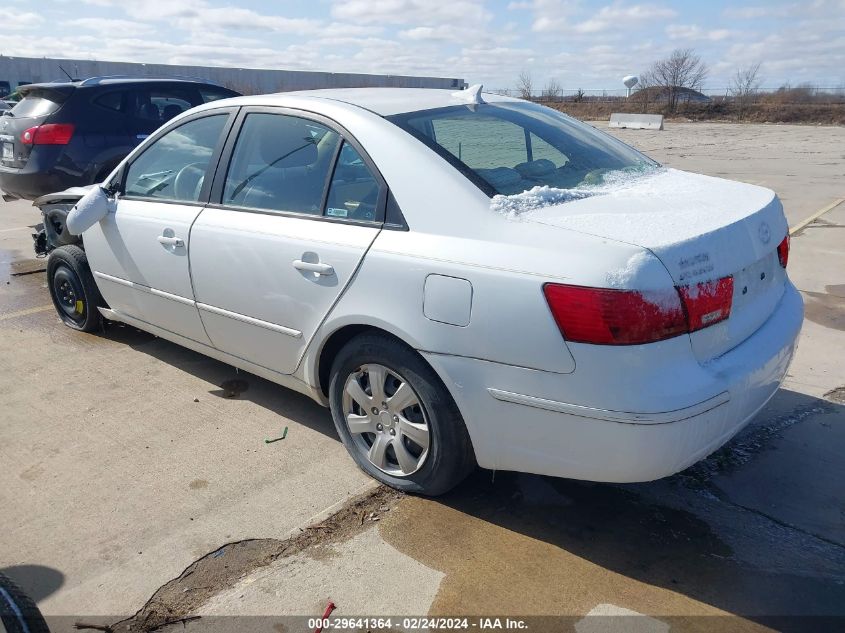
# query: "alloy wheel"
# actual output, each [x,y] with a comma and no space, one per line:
[386,420]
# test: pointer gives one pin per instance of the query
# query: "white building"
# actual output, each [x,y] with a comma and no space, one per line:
[17,71]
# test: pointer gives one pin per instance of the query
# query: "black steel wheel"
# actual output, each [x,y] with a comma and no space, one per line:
[73,290]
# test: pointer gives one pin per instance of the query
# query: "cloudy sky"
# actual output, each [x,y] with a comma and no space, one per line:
[580,43]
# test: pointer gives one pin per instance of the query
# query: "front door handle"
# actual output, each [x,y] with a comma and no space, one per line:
[320,269]
[171,241]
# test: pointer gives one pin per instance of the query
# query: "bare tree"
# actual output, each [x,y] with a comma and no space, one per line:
[552,91]
[645,91]
[578,96]
[744,86]
[675,75]
[525,84]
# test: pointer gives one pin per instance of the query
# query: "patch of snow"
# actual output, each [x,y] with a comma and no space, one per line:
[700,227]
[667,300]
[515,205]
[644,272]
[622,277]
[535,198]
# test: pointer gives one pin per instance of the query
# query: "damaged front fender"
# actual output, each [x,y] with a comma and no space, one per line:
[54,209]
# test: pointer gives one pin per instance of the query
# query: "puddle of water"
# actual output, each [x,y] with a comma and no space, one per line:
[527,544]
[534,545]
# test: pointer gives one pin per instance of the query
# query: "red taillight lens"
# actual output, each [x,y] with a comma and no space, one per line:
[613,317]
[28,135]
[49,134]
[783,251]
[603,316]
[707,303]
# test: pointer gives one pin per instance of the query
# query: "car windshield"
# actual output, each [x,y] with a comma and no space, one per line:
[507,148]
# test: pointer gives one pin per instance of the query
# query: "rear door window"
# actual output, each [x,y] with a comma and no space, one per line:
[150,107]
[353,192]
[280,163]
[115,101]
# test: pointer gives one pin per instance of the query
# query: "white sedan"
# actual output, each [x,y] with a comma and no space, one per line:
[463,278]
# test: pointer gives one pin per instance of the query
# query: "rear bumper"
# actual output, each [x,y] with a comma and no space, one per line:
[532,421]
[39,177]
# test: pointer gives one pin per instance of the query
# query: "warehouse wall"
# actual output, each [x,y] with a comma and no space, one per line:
[15,71]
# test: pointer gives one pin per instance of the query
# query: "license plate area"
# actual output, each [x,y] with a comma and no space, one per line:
[8,153]
[757,291]
[756,280]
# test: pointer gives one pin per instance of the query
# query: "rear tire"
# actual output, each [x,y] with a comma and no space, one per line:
[408,433]
[72,288]
[18,612]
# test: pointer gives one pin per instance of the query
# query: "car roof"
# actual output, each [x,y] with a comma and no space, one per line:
[116,81]
[386,101]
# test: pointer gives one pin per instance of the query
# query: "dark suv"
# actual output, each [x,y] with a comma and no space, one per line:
[73,133]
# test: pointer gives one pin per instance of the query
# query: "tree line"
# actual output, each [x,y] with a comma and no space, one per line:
[671,80]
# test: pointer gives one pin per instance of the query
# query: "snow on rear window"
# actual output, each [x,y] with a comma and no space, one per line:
[595,183]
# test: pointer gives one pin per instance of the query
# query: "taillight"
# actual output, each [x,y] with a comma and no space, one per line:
[604,316]
[613,317]
[783,251]
[707,303]
[48,134]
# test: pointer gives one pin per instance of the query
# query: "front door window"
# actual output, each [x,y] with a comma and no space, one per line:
[176,165]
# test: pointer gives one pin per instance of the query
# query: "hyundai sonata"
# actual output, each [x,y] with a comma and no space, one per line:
[461,277]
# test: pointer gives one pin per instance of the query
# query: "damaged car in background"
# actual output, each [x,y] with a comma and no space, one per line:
[73,133]
[462,278]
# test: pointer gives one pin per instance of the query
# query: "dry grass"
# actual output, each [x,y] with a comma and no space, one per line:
[767,112]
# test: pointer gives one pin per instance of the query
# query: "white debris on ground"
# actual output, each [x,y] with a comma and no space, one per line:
[513,206]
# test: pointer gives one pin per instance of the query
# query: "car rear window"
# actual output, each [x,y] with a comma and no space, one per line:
[38,103]
[508,148]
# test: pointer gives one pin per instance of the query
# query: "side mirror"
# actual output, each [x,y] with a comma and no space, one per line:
[90,209]
[115,185]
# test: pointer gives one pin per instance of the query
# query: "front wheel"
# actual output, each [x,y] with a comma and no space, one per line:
[73,290]
[396,417]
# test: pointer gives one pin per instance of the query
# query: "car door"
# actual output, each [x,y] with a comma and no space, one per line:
[296,206]
[139,252]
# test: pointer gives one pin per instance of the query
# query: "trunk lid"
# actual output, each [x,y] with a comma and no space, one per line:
[39,103]
[702,229]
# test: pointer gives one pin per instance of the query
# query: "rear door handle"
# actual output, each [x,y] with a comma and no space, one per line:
[320,269]
[171,241]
